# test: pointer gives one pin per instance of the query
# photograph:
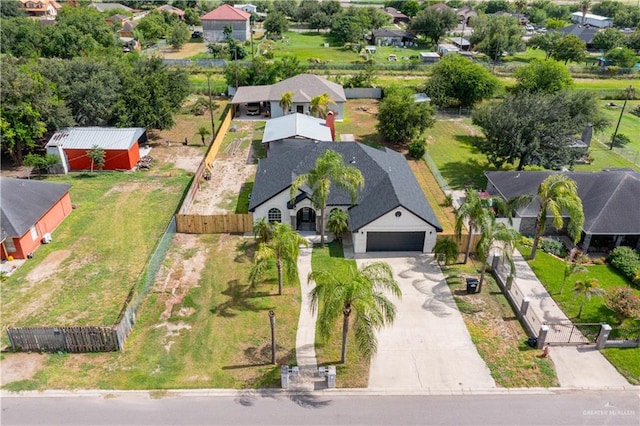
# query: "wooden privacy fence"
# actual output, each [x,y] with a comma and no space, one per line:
[214,224]
[68,339]
[462,242]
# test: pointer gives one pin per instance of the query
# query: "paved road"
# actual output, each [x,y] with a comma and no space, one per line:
[326,408]
[428,345]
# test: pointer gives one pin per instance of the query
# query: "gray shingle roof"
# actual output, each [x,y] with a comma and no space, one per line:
[24,202]
[610,199]
[296,125]
[303,86]
[585,34]
[388,181]
[103,137]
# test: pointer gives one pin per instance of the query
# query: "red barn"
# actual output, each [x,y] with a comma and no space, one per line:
[30,211]
[121,146]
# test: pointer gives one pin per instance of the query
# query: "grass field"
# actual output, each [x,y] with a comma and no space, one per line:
[100,248]
[211,331]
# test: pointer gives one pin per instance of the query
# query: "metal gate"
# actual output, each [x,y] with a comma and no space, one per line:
[568,333]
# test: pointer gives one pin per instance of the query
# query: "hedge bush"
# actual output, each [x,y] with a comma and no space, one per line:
[555,247]
[626,260]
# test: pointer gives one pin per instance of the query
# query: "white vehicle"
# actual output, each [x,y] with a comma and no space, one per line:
[529,27]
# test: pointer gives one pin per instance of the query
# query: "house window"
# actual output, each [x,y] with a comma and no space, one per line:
[34,233]
[10,245]
[274,215]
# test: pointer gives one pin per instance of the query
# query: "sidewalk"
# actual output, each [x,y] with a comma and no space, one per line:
[580,366]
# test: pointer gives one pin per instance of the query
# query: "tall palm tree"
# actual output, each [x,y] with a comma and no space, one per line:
[320,105]
[586,289]
[329,169]
[338,222]
[203,132]
[474,211]
[584,8]
[496,232]
[446,251]
[286,100]
[558,194]
[284,249]
[571,268]
[520,5]
[510,207]
[362,293]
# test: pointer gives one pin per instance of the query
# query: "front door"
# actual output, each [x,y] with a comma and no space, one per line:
[306,219]
[300,109]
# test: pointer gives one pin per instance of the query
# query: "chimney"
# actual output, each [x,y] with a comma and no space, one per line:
[330,122]
[587,134]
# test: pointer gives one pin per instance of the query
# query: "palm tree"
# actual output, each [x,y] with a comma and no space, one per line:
[558,194]
[284,248]
[320,105]
[520,5]
[446,251]
[496,232]
[203,132]
[586,289]
[262,230]
[363,293]
[584,8]
[571,268]
[286,100]
[329,169]
[476,214]
[338,222]
[510,207]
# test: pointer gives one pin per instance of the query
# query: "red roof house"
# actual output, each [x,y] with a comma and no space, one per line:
[214,23]
[30,211]
[121,146]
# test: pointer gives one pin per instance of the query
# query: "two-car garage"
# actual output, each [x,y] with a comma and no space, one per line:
[395,241]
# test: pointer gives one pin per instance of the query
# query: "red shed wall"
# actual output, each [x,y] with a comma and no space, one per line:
[47,223]
[114,159]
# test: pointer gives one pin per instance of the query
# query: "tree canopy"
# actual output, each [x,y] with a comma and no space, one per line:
[559,47]
[457,81]
[543,76]
[608,39]
[497,34]
[536,128]
[401,119]
[433,23]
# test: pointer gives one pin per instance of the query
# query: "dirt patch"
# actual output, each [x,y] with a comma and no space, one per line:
[229,171]
[20,366]
[188,50]
[48,266]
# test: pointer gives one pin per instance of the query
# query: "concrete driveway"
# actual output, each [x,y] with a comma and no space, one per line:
[428,346]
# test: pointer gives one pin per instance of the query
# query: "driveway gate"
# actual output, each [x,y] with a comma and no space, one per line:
[568,333]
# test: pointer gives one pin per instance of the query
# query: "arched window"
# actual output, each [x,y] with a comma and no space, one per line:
[274,216]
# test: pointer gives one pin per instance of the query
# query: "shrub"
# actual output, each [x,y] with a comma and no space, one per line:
[626,260]
[555,247]
[446,251]
[621,140]
[417,149]
[623,302]
[526,241]
[448,200]
[599,261]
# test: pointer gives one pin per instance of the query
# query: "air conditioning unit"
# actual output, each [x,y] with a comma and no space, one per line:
[46,238]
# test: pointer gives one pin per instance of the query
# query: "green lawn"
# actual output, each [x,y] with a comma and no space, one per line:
[101,249]
[355,372]
[549,270]
[202,326]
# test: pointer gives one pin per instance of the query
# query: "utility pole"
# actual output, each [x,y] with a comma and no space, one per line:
[213,126]
[272,320]
[615,133]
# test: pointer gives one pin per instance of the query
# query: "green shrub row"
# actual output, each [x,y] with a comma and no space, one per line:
[627,261]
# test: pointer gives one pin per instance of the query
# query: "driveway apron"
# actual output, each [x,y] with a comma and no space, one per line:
[428,345]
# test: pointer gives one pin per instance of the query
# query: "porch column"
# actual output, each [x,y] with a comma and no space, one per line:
[618,240]
[585,243]
[292,215]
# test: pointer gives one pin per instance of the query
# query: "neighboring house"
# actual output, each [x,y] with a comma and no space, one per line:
[102,7]
[391,212]
[30,211]
[583,32]
[304,88]
[461,43]
[429,57]
[127,29]
[214,23]
[117,19]
[445,48]
[120,145]
[248,8]
[41,8]
[173,10]
[397,16]
[592,20]
[297,127]
[387,37]
[466,14]
[440,6]
[610,200]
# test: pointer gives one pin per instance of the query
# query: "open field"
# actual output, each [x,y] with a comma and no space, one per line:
[98,253]
[201,326]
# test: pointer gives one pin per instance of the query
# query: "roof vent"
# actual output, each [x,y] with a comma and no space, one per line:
[353,160]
